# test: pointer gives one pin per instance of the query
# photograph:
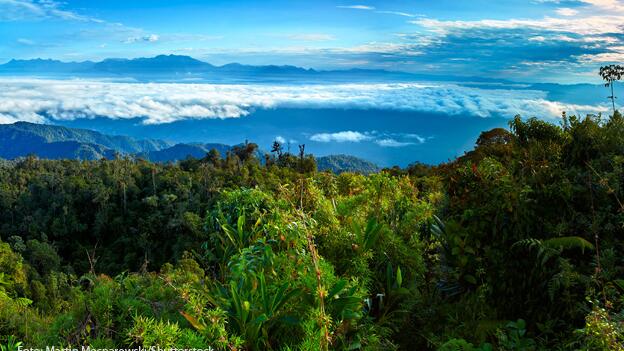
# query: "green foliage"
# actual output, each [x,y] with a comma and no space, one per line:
[602,331]
[148,332]
[238,255]
[11,345]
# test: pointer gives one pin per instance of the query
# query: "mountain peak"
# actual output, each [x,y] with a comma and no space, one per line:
[174,56]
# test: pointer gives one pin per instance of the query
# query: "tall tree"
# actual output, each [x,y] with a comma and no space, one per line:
[277,148]
[610,74]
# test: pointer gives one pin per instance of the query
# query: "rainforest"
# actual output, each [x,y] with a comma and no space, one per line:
[516,245]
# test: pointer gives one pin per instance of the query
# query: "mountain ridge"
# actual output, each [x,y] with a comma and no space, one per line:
[21,139]
[176,66]
[342,163]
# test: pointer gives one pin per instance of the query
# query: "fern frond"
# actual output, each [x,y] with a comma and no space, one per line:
[568,242]
[529,243]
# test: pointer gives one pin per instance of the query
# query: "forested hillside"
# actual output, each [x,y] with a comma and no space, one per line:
[516,245]
[23,139]
[346,163]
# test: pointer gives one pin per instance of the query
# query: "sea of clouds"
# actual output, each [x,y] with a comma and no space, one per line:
[36,100]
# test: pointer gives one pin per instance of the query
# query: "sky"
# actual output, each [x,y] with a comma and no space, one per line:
[521,47]
[521,40]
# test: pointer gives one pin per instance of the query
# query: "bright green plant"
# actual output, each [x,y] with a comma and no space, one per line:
[603,331]
[12,344]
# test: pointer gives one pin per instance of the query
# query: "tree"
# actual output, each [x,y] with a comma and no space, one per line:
[214,157]
[278,149]
[610,74]
[494,136]
[246,151]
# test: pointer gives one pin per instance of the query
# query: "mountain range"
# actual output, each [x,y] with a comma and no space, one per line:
[168,67]
[21,139]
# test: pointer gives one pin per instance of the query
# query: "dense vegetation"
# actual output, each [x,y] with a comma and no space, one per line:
[514,246]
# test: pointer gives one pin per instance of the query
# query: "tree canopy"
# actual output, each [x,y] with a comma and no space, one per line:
[516,245]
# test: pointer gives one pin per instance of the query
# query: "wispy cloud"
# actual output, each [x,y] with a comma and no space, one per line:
[549,47]
[608,5]
[16,10]
[561,46]
[340,137]
[415,137]
[25,41]
[38,100]
[398,13]
[372,8]
[151,38]
[593,25]
[93,29]
[566,11]
[356,7]
[392,143]
[382,139]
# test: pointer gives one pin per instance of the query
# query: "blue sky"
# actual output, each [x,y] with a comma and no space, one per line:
[389,122]
[522,40]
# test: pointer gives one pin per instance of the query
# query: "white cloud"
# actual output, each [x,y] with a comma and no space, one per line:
[17,10]
[589,25]
[607,5]
[398,13]
[340,137]
[39,10]
[597,17]
[25,41]
[280,139]
[146,38]
[382,139]
[356,7]
[392,143]
[566,11]
[37,99]
[416,137]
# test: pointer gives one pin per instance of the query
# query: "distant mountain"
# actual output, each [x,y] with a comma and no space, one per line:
[71,150]
[50,134]
[22,138]
[345,163]
[175,67]
[159,66]
[55,142]
[162,64]
[182,151]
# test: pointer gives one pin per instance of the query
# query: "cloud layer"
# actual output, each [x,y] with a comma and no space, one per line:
[36,100]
